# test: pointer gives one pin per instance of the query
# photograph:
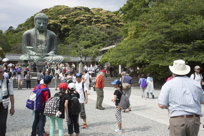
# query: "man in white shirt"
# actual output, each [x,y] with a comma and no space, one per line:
[82,90]
[197,76]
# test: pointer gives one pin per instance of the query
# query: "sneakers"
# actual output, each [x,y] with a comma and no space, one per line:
[118,130]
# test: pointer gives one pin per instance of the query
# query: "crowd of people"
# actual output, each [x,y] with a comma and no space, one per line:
[181,95]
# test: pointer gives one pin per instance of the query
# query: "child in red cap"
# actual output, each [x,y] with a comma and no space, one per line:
[60,114]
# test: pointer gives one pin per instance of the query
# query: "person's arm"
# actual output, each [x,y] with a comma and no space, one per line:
[12,110]
[164,97]
[114,98]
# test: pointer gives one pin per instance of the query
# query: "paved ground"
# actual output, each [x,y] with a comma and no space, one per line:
[145,119]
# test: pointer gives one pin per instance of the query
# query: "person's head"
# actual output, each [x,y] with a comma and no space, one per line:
[78,77]
[1,71]
[103,72]
[116,83]
[47,79]
[63,87]
[71,87]
[123,73]
[41,21]
[180,68]
[197,69]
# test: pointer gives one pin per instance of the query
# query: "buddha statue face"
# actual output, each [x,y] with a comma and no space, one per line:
[41,22]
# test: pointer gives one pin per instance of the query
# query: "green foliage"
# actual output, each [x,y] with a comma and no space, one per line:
[156,35]
[4,44]
[80,30]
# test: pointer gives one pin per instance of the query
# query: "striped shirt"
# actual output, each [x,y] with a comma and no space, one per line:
[182,95]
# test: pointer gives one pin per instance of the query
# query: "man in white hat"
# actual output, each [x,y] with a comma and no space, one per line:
[197,76]
[183,97]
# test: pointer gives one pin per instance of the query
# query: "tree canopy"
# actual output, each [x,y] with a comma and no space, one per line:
[158,32]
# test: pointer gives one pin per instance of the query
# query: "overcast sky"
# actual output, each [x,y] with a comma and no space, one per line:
[15,12]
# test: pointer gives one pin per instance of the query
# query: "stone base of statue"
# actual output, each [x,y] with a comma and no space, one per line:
[80,67]
[37,59]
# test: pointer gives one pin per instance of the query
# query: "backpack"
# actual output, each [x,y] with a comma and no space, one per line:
[126,86]
[52,106]
[124,102]
[143,83]
[75,107]
[34,100]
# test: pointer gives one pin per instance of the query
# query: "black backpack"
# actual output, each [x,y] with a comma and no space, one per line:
[75,107]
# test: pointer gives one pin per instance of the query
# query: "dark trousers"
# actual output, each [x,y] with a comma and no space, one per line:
[73,124]
[28,84]
[3,117]
[38,124]
[38,81]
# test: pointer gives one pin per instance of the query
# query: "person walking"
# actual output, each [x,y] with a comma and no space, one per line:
[39,117]
[116,99]
[128,81]
[150,86]
[73,110]
[143,84]
[60,114]
[6,95]
[99,86]
[83,99]
[39,76]
[183,97]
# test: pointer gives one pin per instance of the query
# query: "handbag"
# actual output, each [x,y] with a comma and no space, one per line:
[124,102]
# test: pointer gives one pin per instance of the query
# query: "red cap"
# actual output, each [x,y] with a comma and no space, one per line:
[63,86]
[104,71]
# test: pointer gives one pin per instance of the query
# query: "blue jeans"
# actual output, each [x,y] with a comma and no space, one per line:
[38,124]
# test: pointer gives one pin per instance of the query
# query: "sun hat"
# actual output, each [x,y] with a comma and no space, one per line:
[197,67]
[78,75]
[47,79]
[63,86]
[116,82]
[180,68]
[71,86]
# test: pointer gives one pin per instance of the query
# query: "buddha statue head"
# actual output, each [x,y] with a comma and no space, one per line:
[41,21]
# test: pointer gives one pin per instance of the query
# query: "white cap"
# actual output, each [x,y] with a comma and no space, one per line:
[197,67]
[72,86]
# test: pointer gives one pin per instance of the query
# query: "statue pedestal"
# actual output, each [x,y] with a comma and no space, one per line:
[80,67]
[40,65]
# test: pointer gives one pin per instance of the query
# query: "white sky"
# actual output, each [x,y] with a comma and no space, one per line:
[15,12]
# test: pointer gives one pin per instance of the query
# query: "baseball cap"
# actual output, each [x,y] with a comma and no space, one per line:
[63,86]
[71,86]
[104,71]
[197,67]
[116,82]
[47,79]
[78,75]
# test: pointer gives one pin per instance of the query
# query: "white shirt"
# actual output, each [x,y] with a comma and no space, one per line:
[86,77]
[1,82]
[79,89]
[197,77]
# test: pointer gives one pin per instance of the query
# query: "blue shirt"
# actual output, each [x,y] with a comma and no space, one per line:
[127,79]
[182,95]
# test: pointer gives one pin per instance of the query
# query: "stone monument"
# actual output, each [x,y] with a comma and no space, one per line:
[40,44]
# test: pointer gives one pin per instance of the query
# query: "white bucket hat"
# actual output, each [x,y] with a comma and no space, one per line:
[180,68]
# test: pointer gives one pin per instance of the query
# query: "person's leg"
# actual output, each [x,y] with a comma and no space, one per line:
[29,84]
[3,117]
[35,123]
[83,115]
[70,124]
[177,127]
[41,124]
[128,94]
[97,99]
[118,118]
[52,126]
[76,123]
[101,95]
[147,94]
[193,126]
[60,126]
